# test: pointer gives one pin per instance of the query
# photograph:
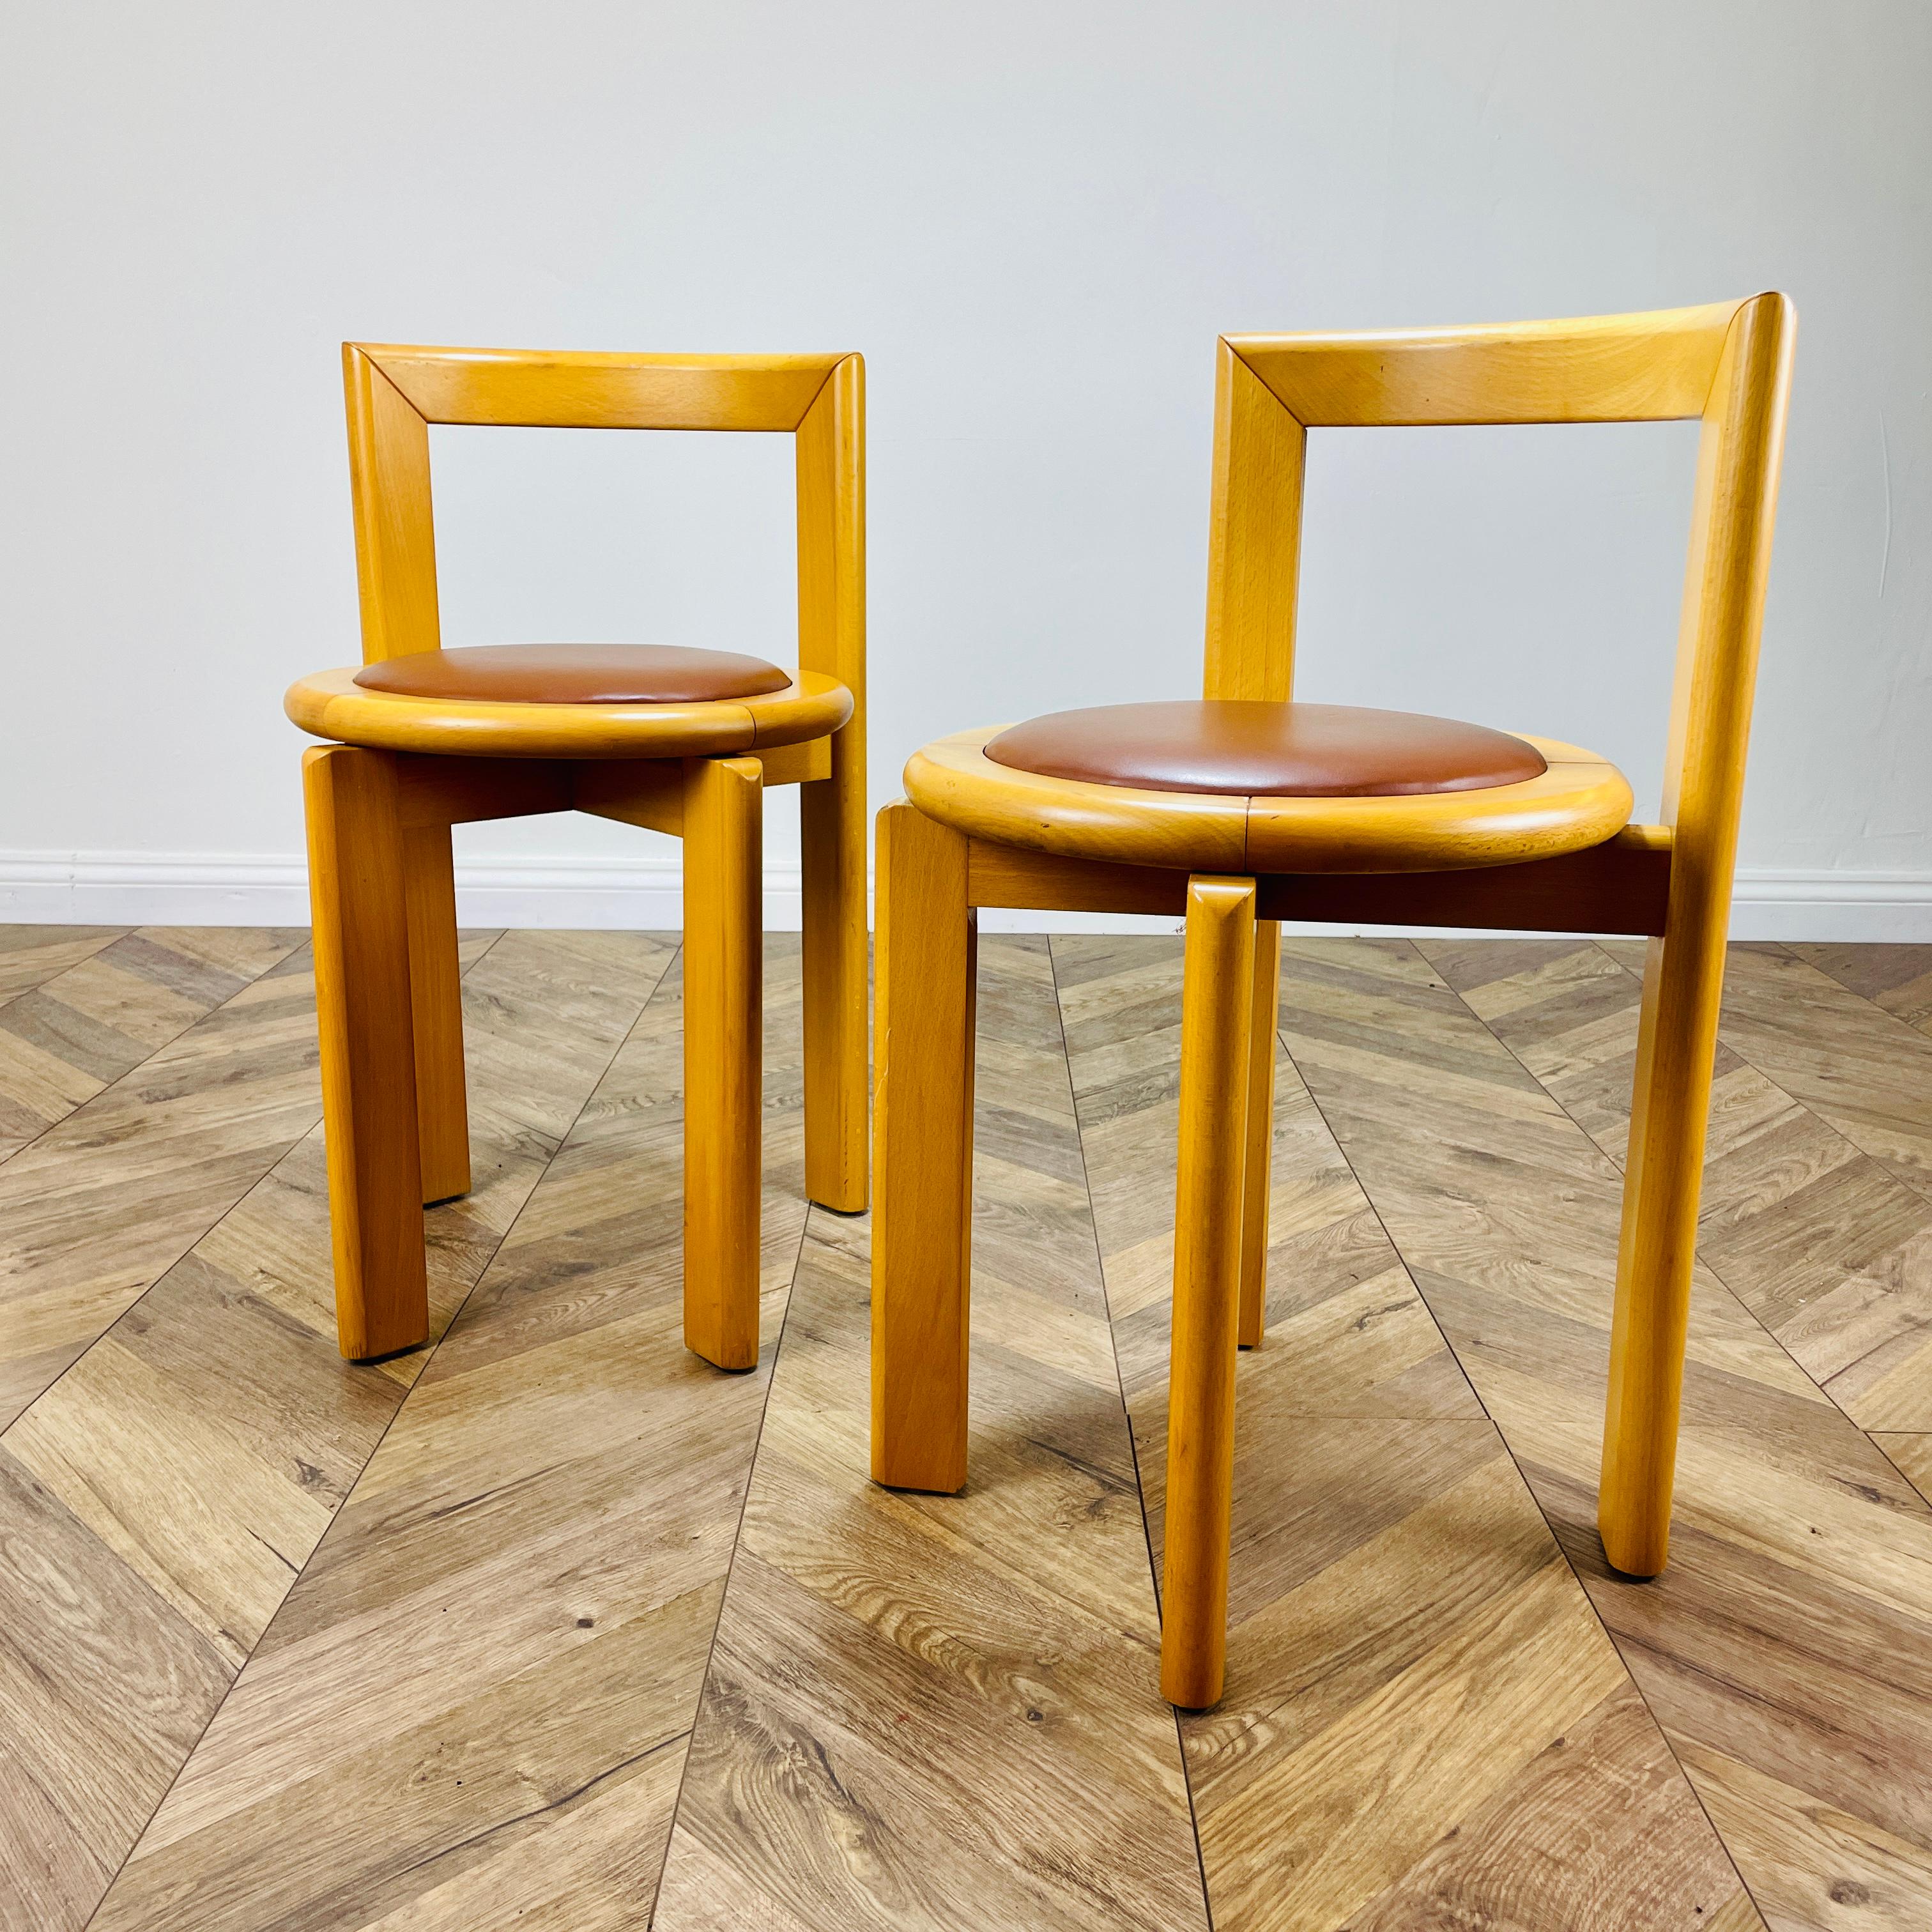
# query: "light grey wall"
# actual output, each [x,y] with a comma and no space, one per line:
[1034,220]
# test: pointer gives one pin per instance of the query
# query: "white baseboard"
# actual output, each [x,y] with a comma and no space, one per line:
[222,889]
[204,888]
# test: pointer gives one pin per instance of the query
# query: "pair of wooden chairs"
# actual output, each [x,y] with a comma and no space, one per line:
[1236,811]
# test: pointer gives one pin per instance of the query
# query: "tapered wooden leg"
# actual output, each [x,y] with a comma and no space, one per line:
[832,828]
[923,1152]
[1677,1037]
[724,1056]
[435,1003]
[368,1054]
[1217,1011]
[1257,1171]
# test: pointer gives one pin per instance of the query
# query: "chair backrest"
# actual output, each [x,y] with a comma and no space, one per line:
[395,393]
[1728,365]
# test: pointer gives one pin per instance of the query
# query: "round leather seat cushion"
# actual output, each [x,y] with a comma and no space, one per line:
[1245,746]
[576,674]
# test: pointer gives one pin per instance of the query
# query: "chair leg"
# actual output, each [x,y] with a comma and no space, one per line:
[1263,1023]
[724,1056]
[1217,1010]
[923,1154]
[1683,988]
[435,1002]
[833,830]
[368,1054]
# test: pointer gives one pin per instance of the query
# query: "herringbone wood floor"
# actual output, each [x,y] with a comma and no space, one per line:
[550,1625]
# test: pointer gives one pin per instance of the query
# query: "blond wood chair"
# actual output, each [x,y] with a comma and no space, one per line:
[1247,809]
[682,741]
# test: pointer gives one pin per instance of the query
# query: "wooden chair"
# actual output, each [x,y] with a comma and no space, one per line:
[683,741]
[1246,810]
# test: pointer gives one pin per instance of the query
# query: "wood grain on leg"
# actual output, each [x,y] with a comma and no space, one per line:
[1216,1014]
[831,472]
[923,1154]
[1677,1041]
[368,1053]
[435,1003]
[1259,1172]
[833,828]
[724,948]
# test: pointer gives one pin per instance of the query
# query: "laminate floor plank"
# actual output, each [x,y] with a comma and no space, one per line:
[1898,978]
[1789,1636]
[104,1202]
[104,1690]
[1417,1687]
[1825,1244]
[65,1039]
[1865,1070]
[928,1711]
[30,956]
[1912,1456]
[194,1455]
[1868,1073]
[472,1710]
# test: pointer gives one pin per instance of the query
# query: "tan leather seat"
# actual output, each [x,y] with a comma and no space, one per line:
[1244,746]
[576,674]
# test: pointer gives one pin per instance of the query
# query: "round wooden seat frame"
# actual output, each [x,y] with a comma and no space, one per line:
[403,768]
[1578,800]
[331,704]
[1552,853]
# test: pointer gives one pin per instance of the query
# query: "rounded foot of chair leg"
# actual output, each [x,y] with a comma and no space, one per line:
[1191,1683]
[1640,1550]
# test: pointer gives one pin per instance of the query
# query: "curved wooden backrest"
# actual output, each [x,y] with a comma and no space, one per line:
[1728,365]
[395,392]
